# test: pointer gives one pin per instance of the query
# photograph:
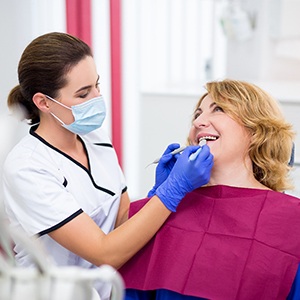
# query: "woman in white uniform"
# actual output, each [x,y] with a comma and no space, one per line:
[62,182]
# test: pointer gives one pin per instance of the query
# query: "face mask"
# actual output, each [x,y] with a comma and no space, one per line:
[88,115]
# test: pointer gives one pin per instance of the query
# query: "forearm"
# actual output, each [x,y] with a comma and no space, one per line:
[83,237]
[123,210]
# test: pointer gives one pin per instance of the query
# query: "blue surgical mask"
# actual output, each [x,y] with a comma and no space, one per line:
[88,115]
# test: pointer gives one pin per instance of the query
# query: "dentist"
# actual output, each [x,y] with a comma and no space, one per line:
[62,182]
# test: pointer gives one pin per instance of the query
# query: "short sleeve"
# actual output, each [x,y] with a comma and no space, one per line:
[35,195]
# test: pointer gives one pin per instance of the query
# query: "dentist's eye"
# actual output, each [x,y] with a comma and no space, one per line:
[83,96]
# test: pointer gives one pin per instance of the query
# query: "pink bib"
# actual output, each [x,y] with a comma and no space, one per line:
[222,243]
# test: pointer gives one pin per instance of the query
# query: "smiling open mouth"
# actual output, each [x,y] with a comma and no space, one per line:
[208,138]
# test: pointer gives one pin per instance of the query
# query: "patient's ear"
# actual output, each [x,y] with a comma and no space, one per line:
[41,102]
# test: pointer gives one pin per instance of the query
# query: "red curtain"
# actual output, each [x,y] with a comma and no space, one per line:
[116,72]
[79,19]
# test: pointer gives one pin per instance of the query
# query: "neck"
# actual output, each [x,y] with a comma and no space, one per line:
[240,175]
[58,136]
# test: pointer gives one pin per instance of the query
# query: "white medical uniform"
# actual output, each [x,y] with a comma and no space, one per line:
[45,188]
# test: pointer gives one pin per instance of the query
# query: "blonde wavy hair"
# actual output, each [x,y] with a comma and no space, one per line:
[272,136]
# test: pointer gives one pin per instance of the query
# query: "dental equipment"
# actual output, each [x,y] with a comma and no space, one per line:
[180,149]
[45,280]
[195,154]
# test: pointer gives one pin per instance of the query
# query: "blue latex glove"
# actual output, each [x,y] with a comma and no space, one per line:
[164,167]
[186,176]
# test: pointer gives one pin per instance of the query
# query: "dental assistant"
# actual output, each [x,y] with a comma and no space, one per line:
[62,182]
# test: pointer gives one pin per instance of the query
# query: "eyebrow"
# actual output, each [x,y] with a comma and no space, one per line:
[87,87]
[210,106]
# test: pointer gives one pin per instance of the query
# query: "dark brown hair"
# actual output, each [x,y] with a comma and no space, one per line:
[43,67]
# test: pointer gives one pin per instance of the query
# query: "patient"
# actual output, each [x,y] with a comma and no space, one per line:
[240,239]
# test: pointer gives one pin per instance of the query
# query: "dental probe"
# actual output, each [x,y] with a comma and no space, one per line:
[180,149]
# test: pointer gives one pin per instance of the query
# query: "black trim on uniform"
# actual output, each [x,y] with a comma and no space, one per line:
[60,224]
[124,190]
[104,144]
[65,183]
[32,132]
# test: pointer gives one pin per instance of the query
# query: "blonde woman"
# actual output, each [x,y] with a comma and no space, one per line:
[238,236]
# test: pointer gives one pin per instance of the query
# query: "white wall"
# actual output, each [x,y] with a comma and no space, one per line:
[21,21]
[271,59]
[101,50]
[170,48]
[273,51]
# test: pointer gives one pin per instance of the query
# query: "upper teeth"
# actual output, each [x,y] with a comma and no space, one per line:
[207,138]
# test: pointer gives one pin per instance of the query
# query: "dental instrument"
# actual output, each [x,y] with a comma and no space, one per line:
[180,149]
[195,154]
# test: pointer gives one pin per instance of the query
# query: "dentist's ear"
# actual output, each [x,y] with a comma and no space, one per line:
[41,102]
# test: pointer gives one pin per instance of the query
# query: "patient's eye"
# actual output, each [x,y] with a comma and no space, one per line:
[197,113]
[218,108]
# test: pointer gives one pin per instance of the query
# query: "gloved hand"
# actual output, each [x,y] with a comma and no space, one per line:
[164,167]
[186,176]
